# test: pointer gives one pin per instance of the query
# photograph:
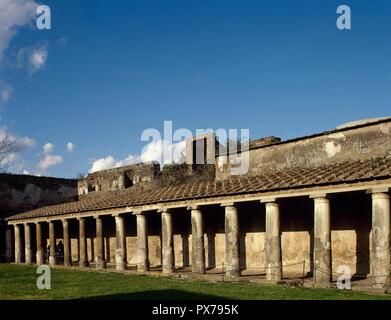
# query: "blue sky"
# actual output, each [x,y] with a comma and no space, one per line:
[116,68]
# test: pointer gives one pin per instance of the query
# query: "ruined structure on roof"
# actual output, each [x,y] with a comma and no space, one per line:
[305,207]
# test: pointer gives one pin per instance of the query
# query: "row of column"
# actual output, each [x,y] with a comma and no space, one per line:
[380,241]
[83,261]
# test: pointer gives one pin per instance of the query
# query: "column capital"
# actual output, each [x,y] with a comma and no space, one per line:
[380,195]
[227,204]
[190,208]
[139,212]
[164,210]
[373,191]
[118,215]
[320,195]
[268,200]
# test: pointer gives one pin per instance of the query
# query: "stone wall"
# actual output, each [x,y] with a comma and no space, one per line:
[346,144]
[21,193]
[118,178]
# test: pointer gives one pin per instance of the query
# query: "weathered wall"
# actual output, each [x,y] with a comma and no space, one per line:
[344,145]
[21,193]
[118,178]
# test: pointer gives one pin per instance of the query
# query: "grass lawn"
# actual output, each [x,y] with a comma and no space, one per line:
[19,282]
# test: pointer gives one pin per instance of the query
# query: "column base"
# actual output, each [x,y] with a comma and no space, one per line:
[381,282]
[273,278]
[232,273]
[101,264]
[144,267]
[198,270]
[120,266]
[322,280]
[167,270]
[83,264]
[52,261]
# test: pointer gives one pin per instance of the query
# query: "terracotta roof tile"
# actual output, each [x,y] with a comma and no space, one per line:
[352,171]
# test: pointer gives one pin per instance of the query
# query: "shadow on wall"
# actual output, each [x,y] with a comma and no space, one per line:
[169,294]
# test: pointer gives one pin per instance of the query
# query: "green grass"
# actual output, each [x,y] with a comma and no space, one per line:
[19,282]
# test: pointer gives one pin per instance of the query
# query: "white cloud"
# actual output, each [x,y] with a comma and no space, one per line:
[46,161]
[48,147]
[9,159]
[70,147]
[19,142]
[161,151]
[38,58]
[5,92]
[12,159]
[34,57]
[14,14]
[103,164]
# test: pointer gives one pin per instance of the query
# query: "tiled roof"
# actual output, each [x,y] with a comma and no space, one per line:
[337,173]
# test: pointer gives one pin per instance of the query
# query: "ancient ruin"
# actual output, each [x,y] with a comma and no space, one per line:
[305,207]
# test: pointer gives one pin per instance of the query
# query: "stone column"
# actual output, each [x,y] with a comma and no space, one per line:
[39,253]
[198,250]
[100,246]
[83,262]
[27,243]
[232,258]
[142,243]
[8,244]
[168,241]
[322,242]
[120,244]
[380,255]
[52,240]
[67,243]
[18,245]
[273,242]
[185,250]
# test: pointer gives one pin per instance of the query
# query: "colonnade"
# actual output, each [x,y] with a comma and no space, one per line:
[322,262]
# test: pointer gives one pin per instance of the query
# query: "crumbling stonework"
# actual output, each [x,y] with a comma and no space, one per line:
[19,193]
[118,178]
[330,147]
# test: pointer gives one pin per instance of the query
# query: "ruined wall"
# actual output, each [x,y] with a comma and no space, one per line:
[118,178]
[331,147]
[21,193]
